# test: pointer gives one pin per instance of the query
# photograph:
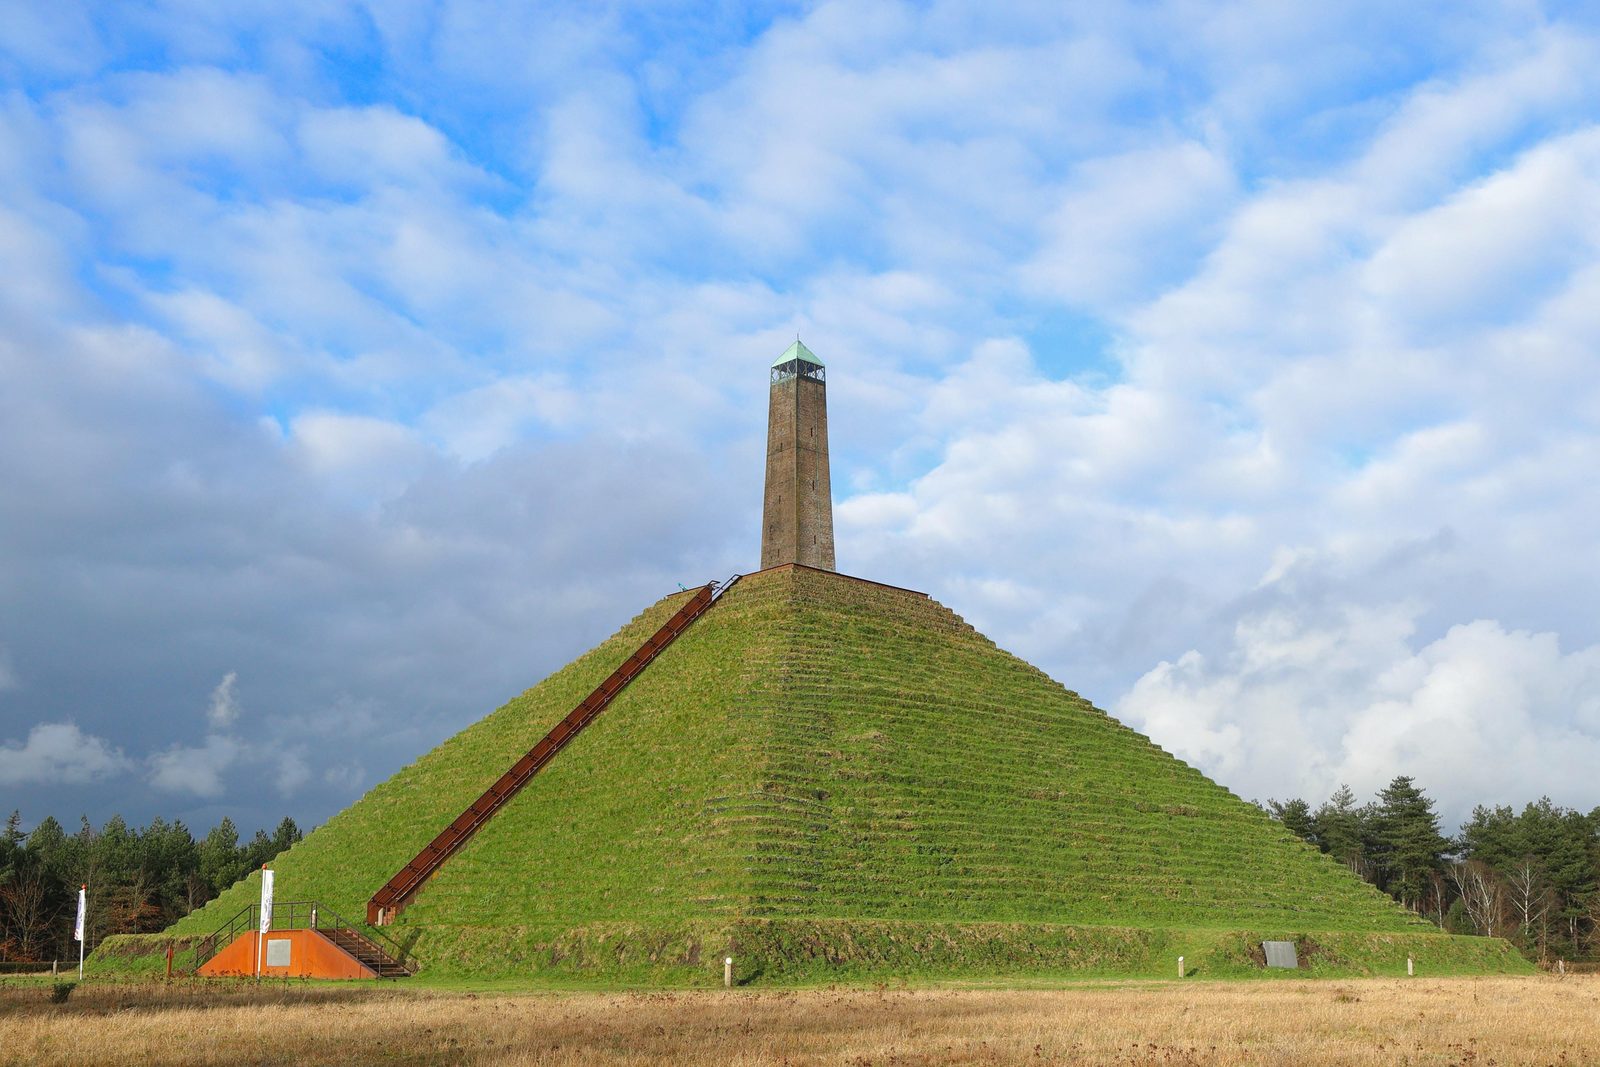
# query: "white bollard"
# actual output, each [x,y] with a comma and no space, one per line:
[1411,967]
[727,972]
[1180,966]
[1561,967]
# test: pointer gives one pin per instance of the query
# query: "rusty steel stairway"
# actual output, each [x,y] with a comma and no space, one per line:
[366,952]
[397,892]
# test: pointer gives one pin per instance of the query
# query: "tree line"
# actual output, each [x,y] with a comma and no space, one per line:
[140,879]
[1532,876]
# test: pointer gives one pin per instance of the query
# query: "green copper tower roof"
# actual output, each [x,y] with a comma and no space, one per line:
[797,351]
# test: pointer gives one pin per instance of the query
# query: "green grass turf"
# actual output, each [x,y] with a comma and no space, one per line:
[815,754]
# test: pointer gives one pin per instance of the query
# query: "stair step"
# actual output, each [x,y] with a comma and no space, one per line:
[368,954]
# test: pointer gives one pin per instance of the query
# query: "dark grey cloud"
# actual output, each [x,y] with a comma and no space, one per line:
[180,588]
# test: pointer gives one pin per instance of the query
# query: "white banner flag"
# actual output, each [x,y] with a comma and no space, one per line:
[266,901]
[83,910]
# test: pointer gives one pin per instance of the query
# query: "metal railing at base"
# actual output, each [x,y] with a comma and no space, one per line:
[295,915]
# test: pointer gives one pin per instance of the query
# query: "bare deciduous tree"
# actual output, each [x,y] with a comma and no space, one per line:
[1529,897]
[26,901]
[1482,893]
[1435,898]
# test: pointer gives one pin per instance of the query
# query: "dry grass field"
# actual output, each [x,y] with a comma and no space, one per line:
[1539,1020]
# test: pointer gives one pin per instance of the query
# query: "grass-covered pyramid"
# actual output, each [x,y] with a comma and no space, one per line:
[830,778]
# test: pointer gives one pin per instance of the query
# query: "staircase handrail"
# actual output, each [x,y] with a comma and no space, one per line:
[379,940]
[213,943]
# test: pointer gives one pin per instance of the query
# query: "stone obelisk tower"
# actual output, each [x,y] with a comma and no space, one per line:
[797,526]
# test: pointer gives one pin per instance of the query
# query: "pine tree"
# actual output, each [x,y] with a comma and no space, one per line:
[1341,831]
[285,835]
[1410,847]
[11,842]
[222,863]
[1295,814]
[1491,836]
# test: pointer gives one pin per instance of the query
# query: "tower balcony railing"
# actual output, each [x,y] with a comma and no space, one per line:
[799,368]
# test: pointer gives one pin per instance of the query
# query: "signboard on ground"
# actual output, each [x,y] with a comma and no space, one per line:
[1280,954]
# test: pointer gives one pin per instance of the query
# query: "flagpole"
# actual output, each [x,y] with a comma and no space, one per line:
[266,914]
[78,927]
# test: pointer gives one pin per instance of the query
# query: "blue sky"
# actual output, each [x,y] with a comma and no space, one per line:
[360,364]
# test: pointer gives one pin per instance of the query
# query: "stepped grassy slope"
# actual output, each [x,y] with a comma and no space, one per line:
[831,777]
[346,859]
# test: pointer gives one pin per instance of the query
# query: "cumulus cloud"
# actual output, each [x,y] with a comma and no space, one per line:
[1296,706]
[195,770]
[59,752]
[357,145]
[475,424]
[359,456]
[292,774]
[393,402]
[345,778]
[224,709]
[1128,221]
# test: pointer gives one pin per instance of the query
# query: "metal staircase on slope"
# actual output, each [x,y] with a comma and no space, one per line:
[397,892]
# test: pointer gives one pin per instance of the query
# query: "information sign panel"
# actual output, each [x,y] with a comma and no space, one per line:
[278,951]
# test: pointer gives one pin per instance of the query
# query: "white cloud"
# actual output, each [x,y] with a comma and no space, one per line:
[59,38]
[59,753]
[224,709]
[1295,706]
[1336,301]
[1369,365]
[475,424]
[293,774]
[237,349]
[345,778]
[1496,247]
[1125,220]
[358,455]
[374,144]
[198,770]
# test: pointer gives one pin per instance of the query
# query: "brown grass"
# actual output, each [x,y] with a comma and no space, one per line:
[1542,1020]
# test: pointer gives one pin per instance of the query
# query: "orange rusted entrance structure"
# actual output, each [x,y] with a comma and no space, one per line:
[307,940]
[295,954]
